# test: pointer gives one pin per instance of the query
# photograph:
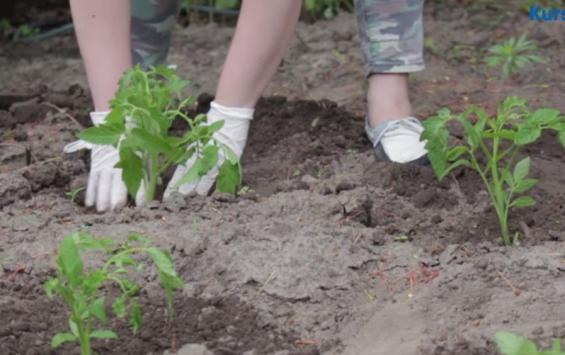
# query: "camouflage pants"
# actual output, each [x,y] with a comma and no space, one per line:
[391,33]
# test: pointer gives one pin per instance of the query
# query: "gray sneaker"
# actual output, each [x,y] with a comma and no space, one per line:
[399,141]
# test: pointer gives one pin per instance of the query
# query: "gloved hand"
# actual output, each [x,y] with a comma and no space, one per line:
[233,134]
[106,189]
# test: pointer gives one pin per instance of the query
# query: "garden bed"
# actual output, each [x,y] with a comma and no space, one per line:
[329,251]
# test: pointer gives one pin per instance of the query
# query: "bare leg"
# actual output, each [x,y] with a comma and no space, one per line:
[103,32]
[262,37]
[388,98]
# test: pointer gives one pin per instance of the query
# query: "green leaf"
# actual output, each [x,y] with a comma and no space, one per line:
[119,306]
[525,185]
[521,169]
[229,178]
[74,327]
[527,134]
[546,116]
[51,285]
[136,318]
[512,344]
[201,166]
[103,334]
[456,152]
[562,138]
[61,338]
[103,135]
[226,4]
[70,261]
[97,309]
[151,143]
[162,260]
[132,169]
[523,201]
[216,126]
[115,120]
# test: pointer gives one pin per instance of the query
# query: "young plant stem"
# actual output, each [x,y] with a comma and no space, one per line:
[84,334]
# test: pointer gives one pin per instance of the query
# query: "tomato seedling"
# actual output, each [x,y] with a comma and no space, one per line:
[512,344]
[513,55]
[83,290]
[491,146]
[145,106]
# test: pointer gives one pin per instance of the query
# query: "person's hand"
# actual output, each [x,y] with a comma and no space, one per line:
[105,189]
[233,134]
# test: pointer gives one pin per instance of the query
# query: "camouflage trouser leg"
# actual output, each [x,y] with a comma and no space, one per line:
[392,35]
[152,23]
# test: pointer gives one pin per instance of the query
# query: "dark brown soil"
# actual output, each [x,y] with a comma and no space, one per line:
[330,251]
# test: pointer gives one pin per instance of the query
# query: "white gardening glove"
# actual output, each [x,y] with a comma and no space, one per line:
[106,189]
[233,134]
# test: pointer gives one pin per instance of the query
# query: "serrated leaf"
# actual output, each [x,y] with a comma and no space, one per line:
[103,334]
[201,166]
[61,338]
[229,178]
[119,306]
[102,135]
[136,317]
[512,344]
[133,170]
[525,185]
[74,327]
[527,134]
[521,169]
[151,143]
[546,116]
[50,286]
[162,260]
[97,309]
[523,201]
[70,261]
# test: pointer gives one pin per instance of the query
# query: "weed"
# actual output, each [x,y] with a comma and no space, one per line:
[490,147]
[84,290]
[142,113]
[512,344]
[73,193]
[512,55]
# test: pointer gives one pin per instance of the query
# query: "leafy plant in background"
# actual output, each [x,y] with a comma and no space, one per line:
[327,8]
[7,30]
[84,290]
[512,344]
[491,146]
[142,113]
[512,55]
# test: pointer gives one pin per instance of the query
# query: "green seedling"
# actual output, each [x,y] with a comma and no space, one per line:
[512,344]
[491,146]
[328,8]
[84,290]
[73,193]
[513,55]
[142,113]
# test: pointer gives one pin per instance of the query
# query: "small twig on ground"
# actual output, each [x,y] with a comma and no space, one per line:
[307,342]
[18,270]
[64,112]
[269,279]
[515,290]
[527,231]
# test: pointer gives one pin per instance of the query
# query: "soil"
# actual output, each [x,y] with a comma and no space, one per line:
[330,251]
